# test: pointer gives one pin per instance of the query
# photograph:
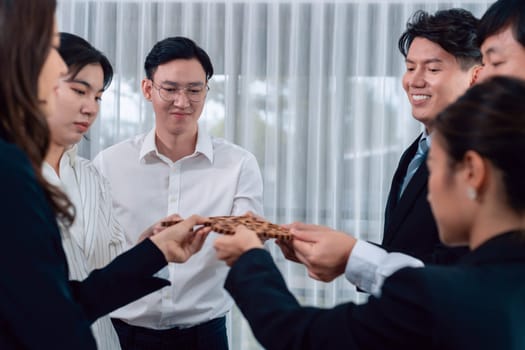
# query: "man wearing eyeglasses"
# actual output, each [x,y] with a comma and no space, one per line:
[179,168]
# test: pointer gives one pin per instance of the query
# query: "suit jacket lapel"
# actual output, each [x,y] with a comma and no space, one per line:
[396,209]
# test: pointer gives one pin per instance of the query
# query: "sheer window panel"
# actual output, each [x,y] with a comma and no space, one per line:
[312,88]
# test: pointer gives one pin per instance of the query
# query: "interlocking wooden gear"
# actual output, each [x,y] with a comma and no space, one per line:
[227,225]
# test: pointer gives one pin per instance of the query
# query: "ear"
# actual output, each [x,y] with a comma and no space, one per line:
[147,86]
[476,171]
[475,71]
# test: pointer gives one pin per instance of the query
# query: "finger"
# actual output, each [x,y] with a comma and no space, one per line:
[298,225]
[287,250]
[198,220]
[187,225]
[302,247]
[202,230]
[222,242]
[156,229]
[198,241]
[173,217]
[169,221]
[309,227]
[302,259]
[305,235]
[254,215]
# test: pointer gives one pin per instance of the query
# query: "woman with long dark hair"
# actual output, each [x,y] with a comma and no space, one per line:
[39,307]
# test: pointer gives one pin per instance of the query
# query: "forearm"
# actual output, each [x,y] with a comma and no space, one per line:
[125,279]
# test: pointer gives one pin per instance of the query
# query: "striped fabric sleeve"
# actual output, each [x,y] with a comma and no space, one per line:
[104,236]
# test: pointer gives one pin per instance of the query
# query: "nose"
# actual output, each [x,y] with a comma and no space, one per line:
[90,108]
[181,99]
[417,78]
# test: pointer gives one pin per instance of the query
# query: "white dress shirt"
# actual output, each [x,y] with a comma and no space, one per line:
[369,265]
[95,238]
[219,178]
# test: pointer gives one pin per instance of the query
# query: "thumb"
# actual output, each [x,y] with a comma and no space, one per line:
[187,225]
[305,235]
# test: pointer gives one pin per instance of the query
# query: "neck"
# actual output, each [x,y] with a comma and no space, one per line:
[493,222]
[53,156]
[176,147]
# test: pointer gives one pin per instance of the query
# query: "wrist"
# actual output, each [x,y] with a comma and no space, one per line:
[349,247]
[161,245]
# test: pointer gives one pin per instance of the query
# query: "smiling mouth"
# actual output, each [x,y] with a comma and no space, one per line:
[418,98]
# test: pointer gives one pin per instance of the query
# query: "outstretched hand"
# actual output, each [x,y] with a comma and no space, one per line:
[230,247]
[157,227]
[179,242]
[322,250]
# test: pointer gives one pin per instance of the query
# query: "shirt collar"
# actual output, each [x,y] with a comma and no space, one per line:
[148,145]
[68,158]
[204,144]
[71,155]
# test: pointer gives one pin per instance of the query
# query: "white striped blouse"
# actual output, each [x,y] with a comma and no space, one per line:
[95,238]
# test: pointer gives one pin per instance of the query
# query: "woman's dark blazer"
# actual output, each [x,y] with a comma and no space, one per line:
[477,304]
[39,307]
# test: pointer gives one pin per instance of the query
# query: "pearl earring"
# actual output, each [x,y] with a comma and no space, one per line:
[471,193]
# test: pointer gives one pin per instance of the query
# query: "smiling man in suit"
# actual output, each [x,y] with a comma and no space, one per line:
[442,61]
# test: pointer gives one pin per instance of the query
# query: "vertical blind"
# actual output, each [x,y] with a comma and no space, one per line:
[312,88]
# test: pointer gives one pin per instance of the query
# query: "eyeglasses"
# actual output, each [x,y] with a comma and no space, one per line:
[193,93]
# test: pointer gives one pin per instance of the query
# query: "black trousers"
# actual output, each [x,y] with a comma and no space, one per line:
[210,335]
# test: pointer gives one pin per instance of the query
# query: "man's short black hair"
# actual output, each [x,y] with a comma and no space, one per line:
[174,48]
[501,14]
[455,30]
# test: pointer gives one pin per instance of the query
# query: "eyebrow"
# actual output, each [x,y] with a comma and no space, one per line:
[83,82]
[172,83]
[430,60]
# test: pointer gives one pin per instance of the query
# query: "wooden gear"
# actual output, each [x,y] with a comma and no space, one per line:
[228,224]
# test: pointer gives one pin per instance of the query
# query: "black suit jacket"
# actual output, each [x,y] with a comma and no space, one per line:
[410,227]
[476,304]
[39,307]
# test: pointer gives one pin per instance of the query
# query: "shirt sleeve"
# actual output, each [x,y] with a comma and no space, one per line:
[109,239]
[249,189]
[369,265]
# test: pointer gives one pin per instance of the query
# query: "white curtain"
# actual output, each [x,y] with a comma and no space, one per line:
[312,88]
